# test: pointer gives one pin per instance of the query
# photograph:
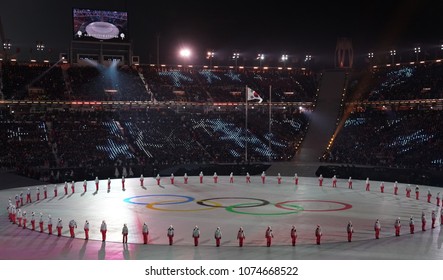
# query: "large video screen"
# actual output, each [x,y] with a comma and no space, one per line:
[100,25]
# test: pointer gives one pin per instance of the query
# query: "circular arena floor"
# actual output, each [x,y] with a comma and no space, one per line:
[253,206]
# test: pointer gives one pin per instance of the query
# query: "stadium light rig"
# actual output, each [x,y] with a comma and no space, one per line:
[40,46]
[7,44]
[260,58]
[284,58]
[209,56]
[185,54]
[235,57]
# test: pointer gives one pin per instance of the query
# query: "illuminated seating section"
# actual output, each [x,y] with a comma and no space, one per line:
[406,139]
[88,139]
[407,82]
[70,139]
[123,83]
[228,85]
[24,142]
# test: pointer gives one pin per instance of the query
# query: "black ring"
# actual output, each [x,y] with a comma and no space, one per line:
[263,202]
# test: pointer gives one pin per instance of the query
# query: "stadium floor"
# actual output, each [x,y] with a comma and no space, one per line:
[227,205]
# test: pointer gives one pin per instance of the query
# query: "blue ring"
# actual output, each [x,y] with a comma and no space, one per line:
[189,199]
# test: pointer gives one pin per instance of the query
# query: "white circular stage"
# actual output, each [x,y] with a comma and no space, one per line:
[253,206]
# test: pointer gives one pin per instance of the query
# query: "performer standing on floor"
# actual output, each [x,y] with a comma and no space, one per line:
[45,192]
[231,178]
[145,232]
[25,219]
[350,183]
[263,177]
[350,230]
[334,181]
[170,234]
[40,222]
[395,188]
[248,177]
[86,229]
[318,234]
[19,217]
[201,177]
[72,186]
[377,229]
[240,237]
[215,177]
[269,235]
[28,196]
[196,235]
[411,225]
[125,233]
[293,235]
[423,221]
[397,226]
[217,236]
[59,227]
[33,220]
[97,182]
[185,178]
[368,185]
[429,196]
[296,179]
[103,230]
[408,191]
[320,180]
[72,226]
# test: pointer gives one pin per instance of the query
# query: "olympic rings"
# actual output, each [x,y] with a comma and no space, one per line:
[263,202]
[188,199]
[346,206]
[211,204]
[151,206]
[241,205]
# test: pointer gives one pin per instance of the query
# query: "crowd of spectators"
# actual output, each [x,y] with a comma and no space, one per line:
[228,85]
[68,139]
[401,139]
[33,81]
[406,82]
[146,83]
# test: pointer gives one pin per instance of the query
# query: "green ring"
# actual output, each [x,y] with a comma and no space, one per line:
[231,209]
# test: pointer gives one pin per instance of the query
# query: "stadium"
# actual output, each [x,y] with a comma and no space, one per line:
[94,134]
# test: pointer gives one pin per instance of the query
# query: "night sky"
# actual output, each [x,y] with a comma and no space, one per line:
[244,26]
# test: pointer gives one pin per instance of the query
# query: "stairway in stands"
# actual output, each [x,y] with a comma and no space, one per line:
[323,121]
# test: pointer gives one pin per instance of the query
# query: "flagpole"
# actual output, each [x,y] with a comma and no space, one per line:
[270,122]
[246,126]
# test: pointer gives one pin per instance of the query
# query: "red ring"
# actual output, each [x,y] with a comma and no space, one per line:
[346,206]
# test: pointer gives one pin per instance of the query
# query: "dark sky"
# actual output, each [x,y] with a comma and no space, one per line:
[277,27]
